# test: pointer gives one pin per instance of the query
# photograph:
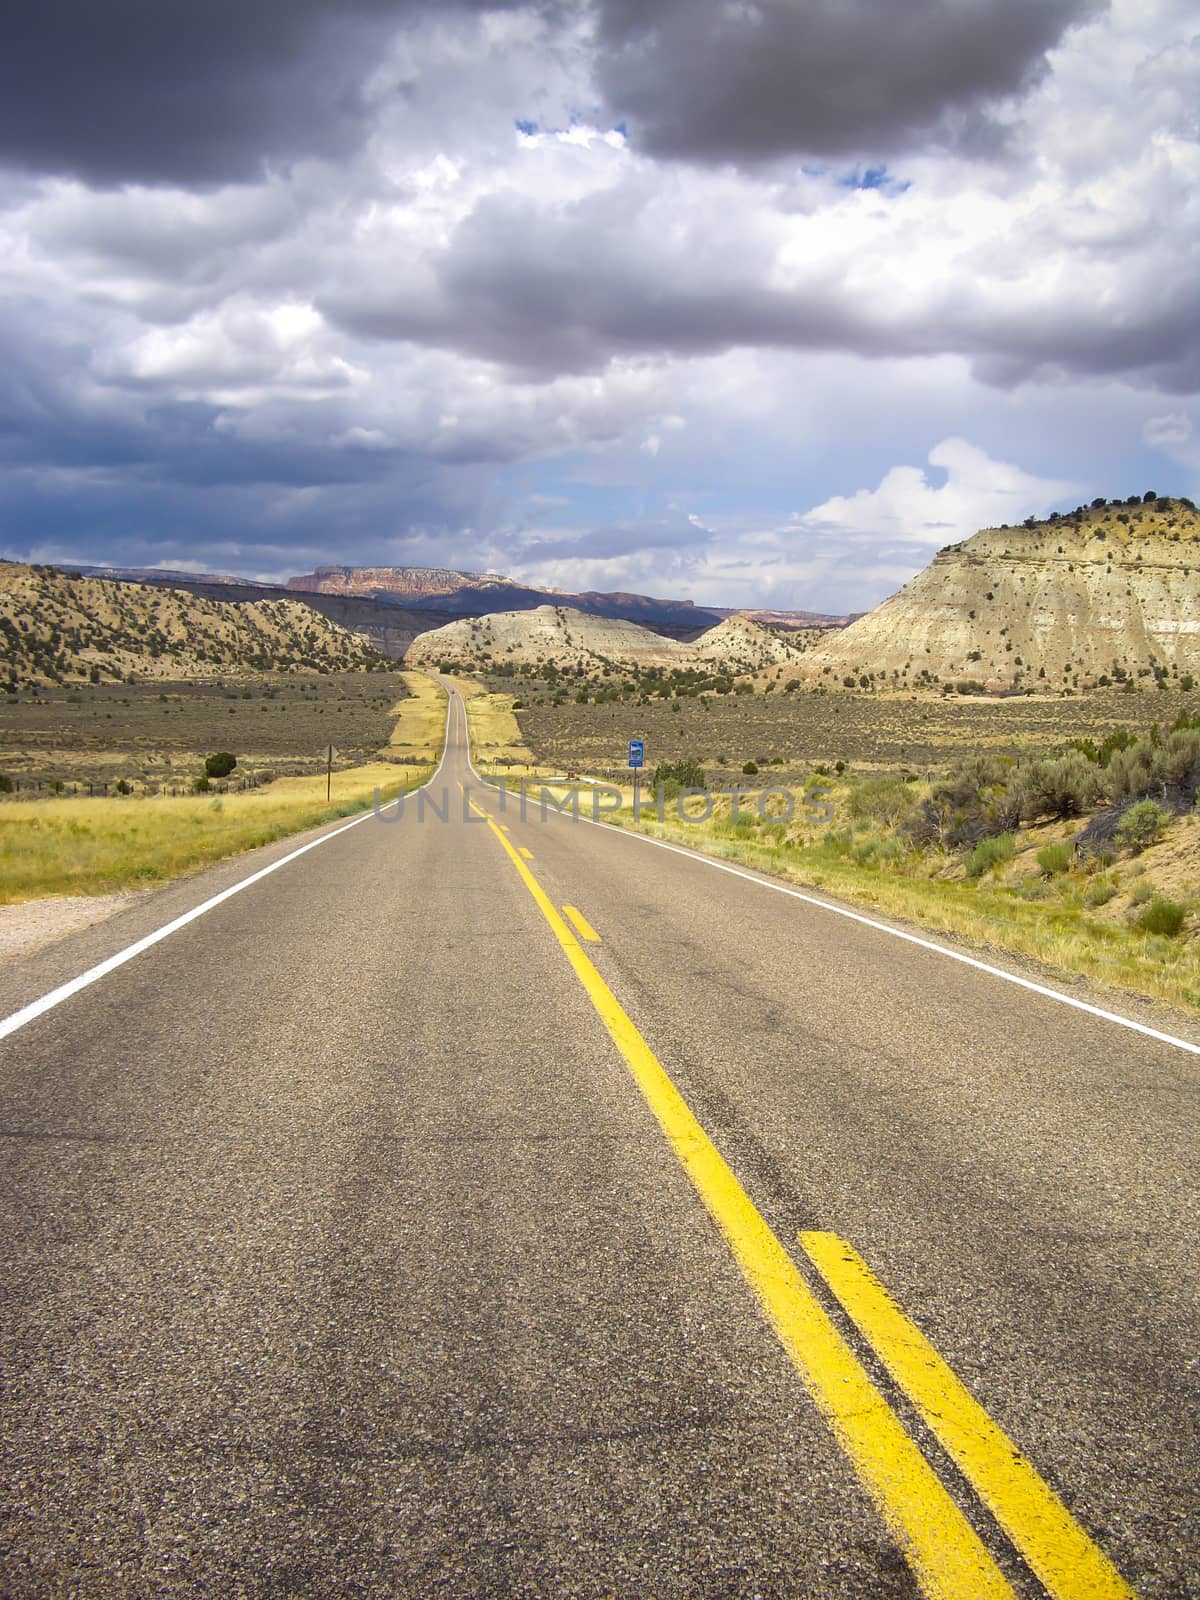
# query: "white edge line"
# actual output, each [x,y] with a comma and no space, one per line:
[871,922]
[55,997]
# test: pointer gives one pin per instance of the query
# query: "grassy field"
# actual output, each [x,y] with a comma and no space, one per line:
[82,845]
[420,726]
[1079,918]
[497,744]
[156,735]
[795,732]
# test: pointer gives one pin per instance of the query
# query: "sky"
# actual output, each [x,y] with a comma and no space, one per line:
[753,302]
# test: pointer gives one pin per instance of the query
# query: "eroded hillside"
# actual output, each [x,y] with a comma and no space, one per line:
[1104,594]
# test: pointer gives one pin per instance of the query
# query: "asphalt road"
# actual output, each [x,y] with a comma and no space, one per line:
[345,1255]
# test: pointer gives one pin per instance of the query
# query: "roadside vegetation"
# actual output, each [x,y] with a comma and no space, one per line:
[81,845]
[1085,857]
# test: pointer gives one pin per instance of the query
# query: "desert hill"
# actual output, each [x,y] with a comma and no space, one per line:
[572,640]
[1108,592]
[742,645]
[548,635]
[58,627]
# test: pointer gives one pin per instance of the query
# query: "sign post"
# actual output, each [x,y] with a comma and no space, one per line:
[637,760]
[329,776]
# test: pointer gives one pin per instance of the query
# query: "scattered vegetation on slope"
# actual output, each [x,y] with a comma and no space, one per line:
[58,627]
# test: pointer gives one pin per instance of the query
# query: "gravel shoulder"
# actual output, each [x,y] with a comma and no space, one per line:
[34,924]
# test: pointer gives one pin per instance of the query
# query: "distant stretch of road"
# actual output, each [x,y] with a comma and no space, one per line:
[481,1204]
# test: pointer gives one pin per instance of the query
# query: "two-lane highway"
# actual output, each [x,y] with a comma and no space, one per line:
[425,1218]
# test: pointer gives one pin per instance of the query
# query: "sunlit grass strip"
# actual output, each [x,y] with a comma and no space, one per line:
[59,847]
[420,721]
[99,846]
[496,739]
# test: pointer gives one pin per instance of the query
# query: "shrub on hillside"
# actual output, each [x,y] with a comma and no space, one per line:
[1054,858]
[973,802]
[219,765]
[1141,825]
[672,777]
[1162,917]
[881,800]
[1059,786]
[989,854]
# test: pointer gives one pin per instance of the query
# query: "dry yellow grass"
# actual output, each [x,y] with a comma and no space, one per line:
[96,846]
[496,740]
[420,721]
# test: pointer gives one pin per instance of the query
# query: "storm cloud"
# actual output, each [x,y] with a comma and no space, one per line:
[762,79]
[188,91]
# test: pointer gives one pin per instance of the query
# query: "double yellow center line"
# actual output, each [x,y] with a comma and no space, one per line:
[947,1556]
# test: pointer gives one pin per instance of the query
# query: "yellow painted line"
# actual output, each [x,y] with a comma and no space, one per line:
[1061,1554]
[528,854]
[581,924]
[944,1551]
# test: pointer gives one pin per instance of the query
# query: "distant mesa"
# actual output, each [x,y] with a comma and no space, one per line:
[479,593]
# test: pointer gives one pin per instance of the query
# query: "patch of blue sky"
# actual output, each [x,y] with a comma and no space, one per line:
[873,178]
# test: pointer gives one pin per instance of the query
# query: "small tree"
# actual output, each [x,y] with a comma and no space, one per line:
[219,765]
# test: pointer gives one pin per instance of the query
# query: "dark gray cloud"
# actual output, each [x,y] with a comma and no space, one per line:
[755,80]
[188,91]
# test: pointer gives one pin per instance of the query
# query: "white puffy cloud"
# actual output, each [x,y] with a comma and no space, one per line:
[906,508]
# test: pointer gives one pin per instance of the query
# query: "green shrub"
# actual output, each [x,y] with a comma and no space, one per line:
[675,776]
[1054,858]
[1162,917]
[750,768]
[1141,893]
[881,799]
[1059,786]
[989,854]
[1142,824]
[219,765]
[1099,894]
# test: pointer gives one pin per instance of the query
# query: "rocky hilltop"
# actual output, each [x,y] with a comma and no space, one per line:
[1108,592]
[59,627]
[412,585]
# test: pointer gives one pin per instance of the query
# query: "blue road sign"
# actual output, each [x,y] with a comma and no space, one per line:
[637,753]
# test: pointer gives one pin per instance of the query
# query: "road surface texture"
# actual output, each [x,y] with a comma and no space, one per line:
[388,1230]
